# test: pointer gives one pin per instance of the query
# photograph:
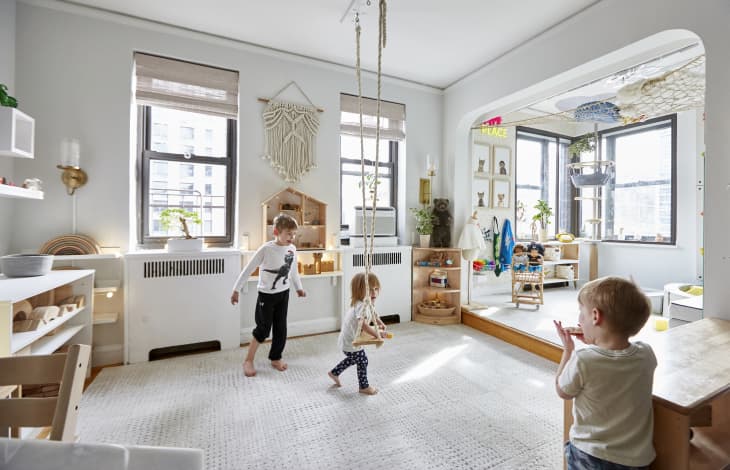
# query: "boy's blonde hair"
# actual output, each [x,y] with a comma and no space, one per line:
[357,286]
[622,303]
[285,222]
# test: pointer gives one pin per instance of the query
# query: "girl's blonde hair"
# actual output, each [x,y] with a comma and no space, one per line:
[622,303]
[357,286]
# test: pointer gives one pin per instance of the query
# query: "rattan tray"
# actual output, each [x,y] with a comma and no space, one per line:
[435,311]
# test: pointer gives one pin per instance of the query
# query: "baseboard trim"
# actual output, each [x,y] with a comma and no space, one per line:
[513,336]
[107,354]
[299,328]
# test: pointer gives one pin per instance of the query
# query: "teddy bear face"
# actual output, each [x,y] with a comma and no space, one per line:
[440,204]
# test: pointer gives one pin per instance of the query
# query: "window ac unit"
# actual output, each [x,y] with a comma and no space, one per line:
[384,221]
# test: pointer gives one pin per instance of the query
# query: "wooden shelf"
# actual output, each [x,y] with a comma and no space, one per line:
[15,289]
[19,193]
[307,276]
[422,291]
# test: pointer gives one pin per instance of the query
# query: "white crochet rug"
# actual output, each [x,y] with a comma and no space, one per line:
[450,397]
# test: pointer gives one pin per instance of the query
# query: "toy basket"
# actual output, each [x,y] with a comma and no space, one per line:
[592,173]
[552,253]
[429,308]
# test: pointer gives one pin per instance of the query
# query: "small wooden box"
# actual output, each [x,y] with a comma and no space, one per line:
[327,266]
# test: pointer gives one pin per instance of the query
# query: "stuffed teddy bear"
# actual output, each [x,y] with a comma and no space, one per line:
[441,237]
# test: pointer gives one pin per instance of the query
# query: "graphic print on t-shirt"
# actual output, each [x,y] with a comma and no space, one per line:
[283,271]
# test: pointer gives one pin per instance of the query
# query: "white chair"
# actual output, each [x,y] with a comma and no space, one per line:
[59,412]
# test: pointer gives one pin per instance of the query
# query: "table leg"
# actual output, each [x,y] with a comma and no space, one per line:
[671,439]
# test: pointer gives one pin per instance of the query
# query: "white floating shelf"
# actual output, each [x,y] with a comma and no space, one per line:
[86,257]
[19,193]
[105,318]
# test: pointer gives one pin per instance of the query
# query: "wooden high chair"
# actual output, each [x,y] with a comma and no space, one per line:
[59,412]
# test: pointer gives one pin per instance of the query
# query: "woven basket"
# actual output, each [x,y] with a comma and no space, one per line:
[423,309]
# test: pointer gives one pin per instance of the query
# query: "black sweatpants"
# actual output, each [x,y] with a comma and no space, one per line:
[271,310]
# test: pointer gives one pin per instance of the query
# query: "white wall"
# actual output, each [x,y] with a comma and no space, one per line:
[7,76]
[572,46]
[74,69]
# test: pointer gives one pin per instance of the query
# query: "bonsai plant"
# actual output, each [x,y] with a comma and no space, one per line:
[178,217]
[424,224]
[542,216]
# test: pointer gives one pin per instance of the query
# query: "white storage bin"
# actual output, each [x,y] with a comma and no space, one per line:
[17,131]
[552,253]
[565,271]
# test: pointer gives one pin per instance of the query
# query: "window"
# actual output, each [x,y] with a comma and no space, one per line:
[200,102]
[639,203]
[541,174]
[392,135]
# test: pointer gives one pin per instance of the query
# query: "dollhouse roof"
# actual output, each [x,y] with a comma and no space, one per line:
[293,191]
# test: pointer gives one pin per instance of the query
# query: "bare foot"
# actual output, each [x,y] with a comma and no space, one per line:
[369,391]
[279,365]
[335,379]
[248,369]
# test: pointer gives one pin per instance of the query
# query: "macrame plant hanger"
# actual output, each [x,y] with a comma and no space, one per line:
[370,315]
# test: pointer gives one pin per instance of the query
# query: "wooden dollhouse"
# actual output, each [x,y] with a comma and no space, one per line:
[309,213]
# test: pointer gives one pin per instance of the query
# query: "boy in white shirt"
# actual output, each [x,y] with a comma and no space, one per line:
[277,263]
[610,381]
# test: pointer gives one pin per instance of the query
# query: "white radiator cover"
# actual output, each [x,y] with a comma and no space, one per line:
[175,299]
[392,265]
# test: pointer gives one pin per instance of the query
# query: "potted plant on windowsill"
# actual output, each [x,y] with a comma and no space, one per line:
[542,217]
[177,217]
[424,224]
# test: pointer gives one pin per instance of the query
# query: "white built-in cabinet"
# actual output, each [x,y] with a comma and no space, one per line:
[17,131]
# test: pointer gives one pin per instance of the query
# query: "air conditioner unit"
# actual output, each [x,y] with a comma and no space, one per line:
[384,221]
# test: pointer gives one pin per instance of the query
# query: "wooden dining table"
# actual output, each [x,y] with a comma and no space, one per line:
[691,397]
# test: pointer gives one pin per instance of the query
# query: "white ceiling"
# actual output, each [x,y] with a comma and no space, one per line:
[432,42]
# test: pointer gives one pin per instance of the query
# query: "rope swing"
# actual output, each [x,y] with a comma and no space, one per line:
[370,315]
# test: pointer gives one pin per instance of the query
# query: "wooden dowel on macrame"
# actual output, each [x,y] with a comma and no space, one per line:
[266,100]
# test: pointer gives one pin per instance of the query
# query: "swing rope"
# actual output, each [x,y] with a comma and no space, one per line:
[369,315]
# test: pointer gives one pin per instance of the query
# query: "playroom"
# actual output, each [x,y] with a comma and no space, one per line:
[239,235]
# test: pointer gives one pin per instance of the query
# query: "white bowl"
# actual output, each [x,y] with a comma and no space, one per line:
[26,265]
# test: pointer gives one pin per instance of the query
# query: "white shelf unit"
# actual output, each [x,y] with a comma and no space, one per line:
[19,193]
[569,255]
[17,131]
[73,327]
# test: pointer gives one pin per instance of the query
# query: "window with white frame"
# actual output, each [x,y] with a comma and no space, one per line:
[186,146]
[392,137]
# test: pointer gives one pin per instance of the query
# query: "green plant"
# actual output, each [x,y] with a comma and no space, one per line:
[179,218]
[544,212]
[585,143]
[371,183]
[5,99]
[424,220]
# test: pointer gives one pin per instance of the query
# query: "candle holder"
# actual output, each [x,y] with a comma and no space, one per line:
[73,177]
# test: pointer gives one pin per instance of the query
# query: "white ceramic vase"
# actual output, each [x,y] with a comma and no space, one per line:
[424,240]
[176,245]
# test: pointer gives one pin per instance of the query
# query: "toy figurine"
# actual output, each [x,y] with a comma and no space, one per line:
[519,258]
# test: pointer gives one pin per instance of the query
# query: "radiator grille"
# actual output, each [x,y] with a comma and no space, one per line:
[184,267]
[378,259]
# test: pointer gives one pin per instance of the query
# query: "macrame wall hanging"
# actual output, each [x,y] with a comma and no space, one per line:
[290,136]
